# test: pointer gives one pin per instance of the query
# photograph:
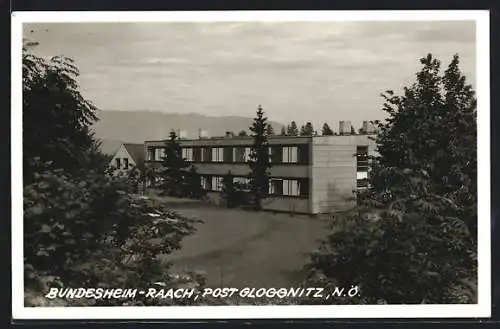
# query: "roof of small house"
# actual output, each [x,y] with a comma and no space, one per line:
[136,151]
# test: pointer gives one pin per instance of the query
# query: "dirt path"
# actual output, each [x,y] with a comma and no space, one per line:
[239,248]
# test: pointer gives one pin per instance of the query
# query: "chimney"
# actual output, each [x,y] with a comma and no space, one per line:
[182,134]
[203,134]
[345,127]
[368,127]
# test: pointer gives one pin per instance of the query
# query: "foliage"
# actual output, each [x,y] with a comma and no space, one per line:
[83,225]
[269,130]
[229,190]
[242,133]
[173,168]
[326,130]
[412,238]
[56,117]
[259,161]
[193,184]
[292,129]
[307,130]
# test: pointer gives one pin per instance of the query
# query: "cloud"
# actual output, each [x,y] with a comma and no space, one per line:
[328,71]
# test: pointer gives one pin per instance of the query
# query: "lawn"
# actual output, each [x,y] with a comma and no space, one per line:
[237,248]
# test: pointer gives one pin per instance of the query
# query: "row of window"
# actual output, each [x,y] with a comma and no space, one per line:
[290,187]
[278,154]
[277,186]
[287,154]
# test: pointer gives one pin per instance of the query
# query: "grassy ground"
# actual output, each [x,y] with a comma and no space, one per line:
[237,248]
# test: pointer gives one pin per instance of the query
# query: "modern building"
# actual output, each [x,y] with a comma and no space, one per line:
[309,174]
[128,156]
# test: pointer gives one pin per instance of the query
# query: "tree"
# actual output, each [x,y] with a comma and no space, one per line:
[412,238]
[326,131]
[353,131]
[242,133]
[56,129]
[307,130]
[283,131]
[173,168]
[259,161]
[292,129]
[83,226]
[228,189]
[193,184]
[269,130]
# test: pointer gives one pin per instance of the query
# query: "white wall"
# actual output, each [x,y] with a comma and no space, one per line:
[333,171]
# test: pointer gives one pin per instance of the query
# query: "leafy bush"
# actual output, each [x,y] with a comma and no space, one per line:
[412,238]
[83,225]
[95,232]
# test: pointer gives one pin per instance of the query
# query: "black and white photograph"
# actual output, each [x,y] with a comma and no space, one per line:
[213,163]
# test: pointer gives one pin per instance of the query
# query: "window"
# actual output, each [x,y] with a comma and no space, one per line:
[159,153]
[207,154]
[228,154]
[217,154]
[362,158]
[217,182]
[276,187]
[125,163]
[239,154]
[362,184]
[206,183]
[290,154]
[247,153]
[361,175]
[303,154]
[197,154]
[362,167]
[242,182]
[304,188]
[290,187]
[118,163]
[187,154]
[276,154]
[151,154]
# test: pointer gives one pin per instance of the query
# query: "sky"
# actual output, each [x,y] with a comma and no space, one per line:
[302,71]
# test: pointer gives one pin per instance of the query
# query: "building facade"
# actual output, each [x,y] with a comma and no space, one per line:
[309,174]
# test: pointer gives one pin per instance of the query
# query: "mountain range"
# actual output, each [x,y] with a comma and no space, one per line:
[116,127]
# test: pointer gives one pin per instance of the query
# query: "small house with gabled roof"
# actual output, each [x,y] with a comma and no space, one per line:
[129,156]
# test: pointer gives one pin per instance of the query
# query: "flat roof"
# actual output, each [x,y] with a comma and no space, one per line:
[275,137]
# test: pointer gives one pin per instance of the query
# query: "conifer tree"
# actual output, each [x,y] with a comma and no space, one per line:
[307,129]
[173,168]
[292,129]
[326,131]
[193,183]
[229,190]
[415,228]
[259,159]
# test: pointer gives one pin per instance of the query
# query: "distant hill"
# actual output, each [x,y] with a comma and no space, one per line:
[137,126]
[110,147]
